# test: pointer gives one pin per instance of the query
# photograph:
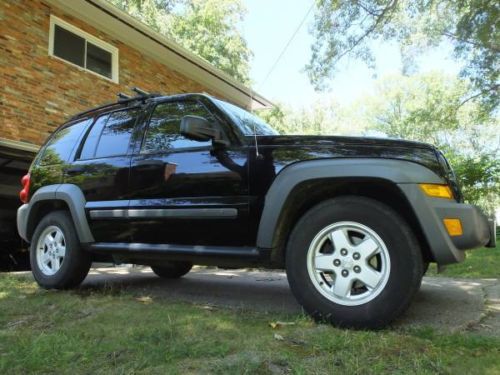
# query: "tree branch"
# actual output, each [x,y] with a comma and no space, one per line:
[480,93]
[379,19]
[468,41]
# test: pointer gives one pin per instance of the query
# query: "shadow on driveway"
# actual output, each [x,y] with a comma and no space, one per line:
[441,302]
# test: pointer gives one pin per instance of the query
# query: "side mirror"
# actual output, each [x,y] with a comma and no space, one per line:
[199,129]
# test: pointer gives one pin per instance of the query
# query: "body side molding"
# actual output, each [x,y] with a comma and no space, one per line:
[175,213]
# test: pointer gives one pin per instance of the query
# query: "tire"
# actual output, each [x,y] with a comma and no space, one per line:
[74,263]
[172,270]
[316,267]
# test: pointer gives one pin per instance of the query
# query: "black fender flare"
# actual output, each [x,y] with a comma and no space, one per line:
[392,170]
[69,194]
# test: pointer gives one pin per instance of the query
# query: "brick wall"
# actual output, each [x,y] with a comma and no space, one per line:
[39,92]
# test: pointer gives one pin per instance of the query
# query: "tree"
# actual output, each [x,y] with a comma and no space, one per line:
[429,108]
[347,28]
[209,28]
[319,118]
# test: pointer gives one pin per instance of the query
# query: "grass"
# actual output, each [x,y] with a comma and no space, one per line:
[107,330]
[480,263]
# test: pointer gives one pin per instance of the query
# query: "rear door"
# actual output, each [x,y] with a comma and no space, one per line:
[101,170]
[184,191]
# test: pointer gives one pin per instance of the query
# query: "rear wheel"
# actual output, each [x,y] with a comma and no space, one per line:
[354,262]
[173,269]
[57,260]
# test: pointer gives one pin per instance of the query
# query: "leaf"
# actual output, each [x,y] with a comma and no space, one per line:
[278,324]
[145,299]
[278,337]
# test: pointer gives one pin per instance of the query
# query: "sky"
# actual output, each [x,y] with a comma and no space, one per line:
[268,26]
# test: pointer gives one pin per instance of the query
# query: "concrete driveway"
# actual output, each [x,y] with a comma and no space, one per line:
[443,303]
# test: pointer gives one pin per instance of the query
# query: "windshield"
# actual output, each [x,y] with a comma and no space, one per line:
[246,121]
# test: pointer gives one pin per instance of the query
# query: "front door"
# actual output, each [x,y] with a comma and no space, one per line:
[184,191]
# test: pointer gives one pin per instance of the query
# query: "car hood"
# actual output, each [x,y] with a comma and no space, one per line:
[328,141]
[286,149]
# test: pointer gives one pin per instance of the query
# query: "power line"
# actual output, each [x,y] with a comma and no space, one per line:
[272,69]
[287,44]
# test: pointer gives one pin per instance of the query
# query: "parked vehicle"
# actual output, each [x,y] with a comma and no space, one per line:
[172,181]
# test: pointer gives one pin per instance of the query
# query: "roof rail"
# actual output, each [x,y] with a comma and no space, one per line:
[122,96]
[140,92]
[122,99]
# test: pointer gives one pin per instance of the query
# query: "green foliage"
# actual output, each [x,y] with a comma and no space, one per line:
[347,29]
[479,264]
[208,28]
[428,108]
[319,118]
[105,329]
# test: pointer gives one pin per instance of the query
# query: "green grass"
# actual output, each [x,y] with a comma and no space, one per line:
[97,331]
[480,263]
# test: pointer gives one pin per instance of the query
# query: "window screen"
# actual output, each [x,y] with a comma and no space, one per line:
[115,136]
[59,148]
[78,50]
[98,60]
[69,46]
[163,132]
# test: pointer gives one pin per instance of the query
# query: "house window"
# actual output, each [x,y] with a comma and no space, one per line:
[79,48]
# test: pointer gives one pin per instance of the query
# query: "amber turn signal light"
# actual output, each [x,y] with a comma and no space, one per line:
[437,191]
[453,226]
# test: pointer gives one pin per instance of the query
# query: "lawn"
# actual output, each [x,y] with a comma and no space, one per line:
[480,263]
[112,331]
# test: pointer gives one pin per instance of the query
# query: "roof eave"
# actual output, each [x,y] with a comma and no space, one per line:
[108,18]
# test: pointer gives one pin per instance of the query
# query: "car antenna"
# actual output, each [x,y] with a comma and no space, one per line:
[272,69]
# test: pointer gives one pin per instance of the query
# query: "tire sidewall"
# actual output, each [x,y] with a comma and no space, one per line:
[405,259]
[63,221]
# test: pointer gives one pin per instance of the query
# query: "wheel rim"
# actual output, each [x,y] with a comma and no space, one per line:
[50,250]
[348,263]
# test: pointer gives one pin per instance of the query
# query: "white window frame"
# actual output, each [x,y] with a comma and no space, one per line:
[89,38]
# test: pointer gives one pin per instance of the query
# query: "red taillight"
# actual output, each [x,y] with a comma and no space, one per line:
[24,194]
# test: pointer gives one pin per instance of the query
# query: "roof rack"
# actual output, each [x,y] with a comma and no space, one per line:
[122,99]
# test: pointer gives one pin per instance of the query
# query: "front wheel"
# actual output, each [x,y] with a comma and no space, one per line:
[354,262]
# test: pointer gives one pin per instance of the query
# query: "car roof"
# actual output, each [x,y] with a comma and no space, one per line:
[125,102]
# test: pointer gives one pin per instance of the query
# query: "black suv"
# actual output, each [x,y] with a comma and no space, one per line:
[172,181]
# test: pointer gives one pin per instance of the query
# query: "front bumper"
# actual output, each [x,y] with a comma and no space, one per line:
[478,231]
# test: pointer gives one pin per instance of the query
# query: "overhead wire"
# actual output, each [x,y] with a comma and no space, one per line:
[271,70]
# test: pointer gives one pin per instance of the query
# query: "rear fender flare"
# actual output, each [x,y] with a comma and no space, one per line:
[74,199]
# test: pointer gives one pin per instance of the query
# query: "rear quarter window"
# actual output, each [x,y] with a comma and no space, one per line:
[116,134]
[62,143]
[110,135]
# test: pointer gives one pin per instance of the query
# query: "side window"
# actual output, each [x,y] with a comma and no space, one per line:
[59,148]
[89,147]
[115,135]
[163,132]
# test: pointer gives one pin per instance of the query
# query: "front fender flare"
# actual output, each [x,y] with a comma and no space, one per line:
[394,171]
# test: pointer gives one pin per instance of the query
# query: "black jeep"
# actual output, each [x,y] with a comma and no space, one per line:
[172,181]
